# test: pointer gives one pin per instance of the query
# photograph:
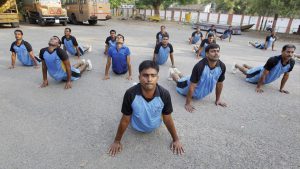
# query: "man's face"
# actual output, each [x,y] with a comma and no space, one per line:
[230,28]
[162,29]
[18,35]
[119,40]
[67,32]
[213,54]
[213,27]
[165,41]
[54,41]
[288,53]
[148,79]
[211,39]
[112,34]
[198,30]
[273,33]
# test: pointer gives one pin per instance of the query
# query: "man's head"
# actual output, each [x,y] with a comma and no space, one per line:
[18,34]
[273,33]
[198,29]
[54,41]
[112,33]
[212,26]
[210,38]
[120,39]
[165,40]
[162,28]
[212,52]
[67,31]
[288,51]
[230,27]
[148,75]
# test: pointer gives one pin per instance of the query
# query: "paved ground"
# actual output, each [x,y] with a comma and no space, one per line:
[53,128]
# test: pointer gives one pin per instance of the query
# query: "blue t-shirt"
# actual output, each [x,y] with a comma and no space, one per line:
[119,58]
[204,44]
[146,113]
[205,77]
[22,51]
[162,53]
[110,42]
[274,66]
[55,66]
[196,37]
[70,44]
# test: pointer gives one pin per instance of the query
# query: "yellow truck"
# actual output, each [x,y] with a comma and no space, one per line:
[45,12]
[9,13]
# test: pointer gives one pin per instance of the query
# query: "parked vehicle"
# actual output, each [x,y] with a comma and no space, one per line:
[9,13]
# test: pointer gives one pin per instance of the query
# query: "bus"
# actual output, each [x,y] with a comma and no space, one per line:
[91,11]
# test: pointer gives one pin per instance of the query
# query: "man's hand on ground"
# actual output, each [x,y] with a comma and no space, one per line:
[177,147]
[284,91]
[68,85]
[106,78]
[44,84]
[129,78]
[115,148]
[11,67]
[189,108]
[219,103]
[36,67]
[259,90]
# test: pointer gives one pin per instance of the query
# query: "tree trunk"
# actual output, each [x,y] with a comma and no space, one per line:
[156,6]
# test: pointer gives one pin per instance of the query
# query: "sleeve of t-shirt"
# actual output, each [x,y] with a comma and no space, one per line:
[166,98]
[126,105]
[63,40]
[193,34]
[28,46]
[157,35]
[128,52]
[292,63]
[41,55]
[171,48]
[202,43]
[74,41]
[109,53]
[222,76]
[271,63]
[197,72]
[107,41]
[12,47]
[157,47]
[62,54]
[208,30]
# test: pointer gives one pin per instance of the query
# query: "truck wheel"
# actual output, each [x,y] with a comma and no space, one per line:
[92,22]
[64,23]
[15,24]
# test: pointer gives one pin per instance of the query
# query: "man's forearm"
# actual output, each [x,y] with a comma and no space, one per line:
[260,82]
[107,68]
[219,88]
[13,60]
[121,129]
[171,127]
[129,70]
[283,81]
[44,70]
[172,59]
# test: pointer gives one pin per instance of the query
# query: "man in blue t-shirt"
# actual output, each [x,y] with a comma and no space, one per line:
[201,50]
[56,62]
[272,70]
[212,30]
[23,51]
[162,52]
[119,57]
[159,35]
[71,45]
[110,41]
[207,74]
[145,106]
[270,41]
[227,34]
[196,36]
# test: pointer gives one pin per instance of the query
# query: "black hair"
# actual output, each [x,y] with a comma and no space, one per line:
[165,36]
[58,39]
[121,36]
[68,29]
[211,46]
[212,25]
[18,30]
[162,26]
[210,35]
[285,47]
[148,64]
[112,31]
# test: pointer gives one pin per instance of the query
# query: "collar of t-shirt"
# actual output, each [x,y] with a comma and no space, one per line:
[50,51]
[156,93]
[22,42]
[206,63]
[70,37]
